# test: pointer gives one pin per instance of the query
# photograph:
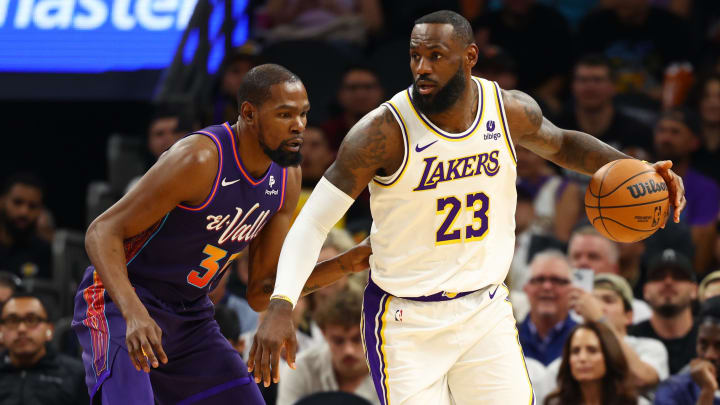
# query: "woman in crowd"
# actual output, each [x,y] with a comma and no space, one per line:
[593,370]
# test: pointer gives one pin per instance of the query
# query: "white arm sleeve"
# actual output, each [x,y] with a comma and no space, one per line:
[323,209]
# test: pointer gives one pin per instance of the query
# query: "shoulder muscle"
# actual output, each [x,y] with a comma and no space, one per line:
[373,146]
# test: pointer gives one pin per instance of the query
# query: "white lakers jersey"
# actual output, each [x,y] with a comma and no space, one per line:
[445,220]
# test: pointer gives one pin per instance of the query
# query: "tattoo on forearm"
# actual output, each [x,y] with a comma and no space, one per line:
[585,153]
[532,110]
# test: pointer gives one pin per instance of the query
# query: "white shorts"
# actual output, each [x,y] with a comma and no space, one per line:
[461,350]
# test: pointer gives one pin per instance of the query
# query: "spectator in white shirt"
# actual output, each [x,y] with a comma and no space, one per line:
[338,365]
[611,303]
[588,249]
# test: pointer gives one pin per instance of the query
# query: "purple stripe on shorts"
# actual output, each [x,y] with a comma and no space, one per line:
[215,390]
[373,306]
[441,296]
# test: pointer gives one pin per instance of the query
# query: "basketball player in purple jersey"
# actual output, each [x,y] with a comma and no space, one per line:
[142,313]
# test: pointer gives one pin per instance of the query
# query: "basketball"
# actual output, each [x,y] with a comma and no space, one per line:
[627,200]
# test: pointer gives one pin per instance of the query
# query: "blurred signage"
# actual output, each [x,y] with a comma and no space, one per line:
[90,36]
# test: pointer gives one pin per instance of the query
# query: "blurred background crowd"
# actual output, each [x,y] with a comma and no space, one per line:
[641,75]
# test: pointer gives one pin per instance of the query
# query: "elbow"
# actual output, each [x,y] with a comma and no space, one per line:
[646,379]
[258,294]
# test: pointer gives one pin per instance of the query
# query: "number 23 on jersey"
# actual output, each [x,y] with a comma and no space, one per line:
[451,207]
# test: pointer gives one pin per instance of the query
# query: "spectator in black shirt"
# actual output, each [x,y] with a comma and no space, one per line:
[640,40]
[22,252]
[30,372]
[594,112]
[670,290]
[706,100]
[532,32]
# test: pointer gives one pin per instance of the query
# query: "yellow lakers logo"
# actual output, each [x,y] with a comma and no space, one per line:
[449,294]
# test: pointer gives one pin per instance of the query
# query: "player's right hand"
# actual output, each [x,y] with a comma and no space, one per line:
[144,341]
[275,332]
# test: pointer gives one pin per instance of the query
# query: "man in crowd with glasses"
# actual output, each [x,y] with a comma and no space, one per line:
[548,324]
[31,372]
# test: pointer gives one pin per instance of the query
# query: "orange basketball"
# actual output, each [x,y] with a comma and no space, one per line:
[627,200]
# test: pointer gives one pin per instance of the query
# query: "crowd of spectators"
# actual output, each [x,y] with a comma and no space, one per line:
[641,75]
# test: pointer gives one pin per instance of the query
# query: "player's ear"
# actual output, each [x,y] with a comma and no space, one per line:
[471,55]
[248,113]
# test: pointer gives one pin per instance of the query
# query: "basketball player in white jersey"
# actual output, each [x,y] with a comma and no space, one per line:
[440,163]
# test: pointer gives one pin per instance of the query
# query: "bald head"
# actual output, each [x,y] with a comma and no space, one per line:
[588,249]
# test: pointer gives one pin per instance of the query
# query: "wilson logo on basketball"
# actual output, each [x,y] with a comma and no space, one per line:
[649,187]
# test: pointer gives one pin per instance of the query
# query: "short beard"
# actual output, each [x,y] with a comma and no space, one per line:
[445,98]
[669,310]
[18,235]
[280,156]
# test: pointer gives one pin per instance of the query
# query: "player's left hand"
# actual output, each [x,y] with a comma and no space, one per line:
[359,256]
[275,332]
[676,189]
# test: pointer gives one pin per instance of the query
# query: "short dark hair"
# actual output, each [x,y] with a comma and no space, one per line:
[461,26]
[255,87]
[26,179]
[342,309]
[26,294]
[8,279]
[362,68]
[597,60]
[710,310]
[685,116]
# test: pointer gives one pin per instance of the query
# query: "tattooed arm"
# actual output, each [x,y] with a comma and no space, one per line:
[570,149]
[573,150]
[373,146]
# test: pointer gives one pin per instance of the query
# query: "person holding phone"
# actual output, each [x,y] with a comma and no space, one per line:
[610,302]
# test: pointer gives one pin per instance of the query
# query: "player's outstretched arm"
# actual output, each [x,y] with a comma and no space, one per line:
[373,146]
[573,150]
[183,174]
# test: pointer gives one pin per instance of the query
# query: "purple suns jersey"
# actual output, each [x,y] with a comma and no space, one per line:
[179,257]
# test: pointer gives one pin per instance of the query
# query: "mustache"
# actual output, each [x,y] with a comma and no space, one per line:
[425,77]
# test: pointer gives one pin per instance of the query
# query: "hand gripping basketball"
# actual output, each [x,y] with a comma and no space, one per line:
[627,200]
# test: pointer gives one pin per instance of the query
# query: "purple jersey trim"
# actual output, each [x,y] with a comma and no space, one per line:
[503,121]
[253,182]
[282,188]
[215,390]
[149,239]
[440,296]
[217,177]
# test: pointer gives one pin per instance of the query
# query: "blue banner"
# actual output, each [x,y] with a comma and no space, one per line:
[90,36]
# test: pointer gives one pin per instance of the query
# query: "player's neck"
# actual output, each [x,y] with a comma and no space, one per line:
[250,152]
[673,327]
[459,117]
[591,392]
[595,121]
